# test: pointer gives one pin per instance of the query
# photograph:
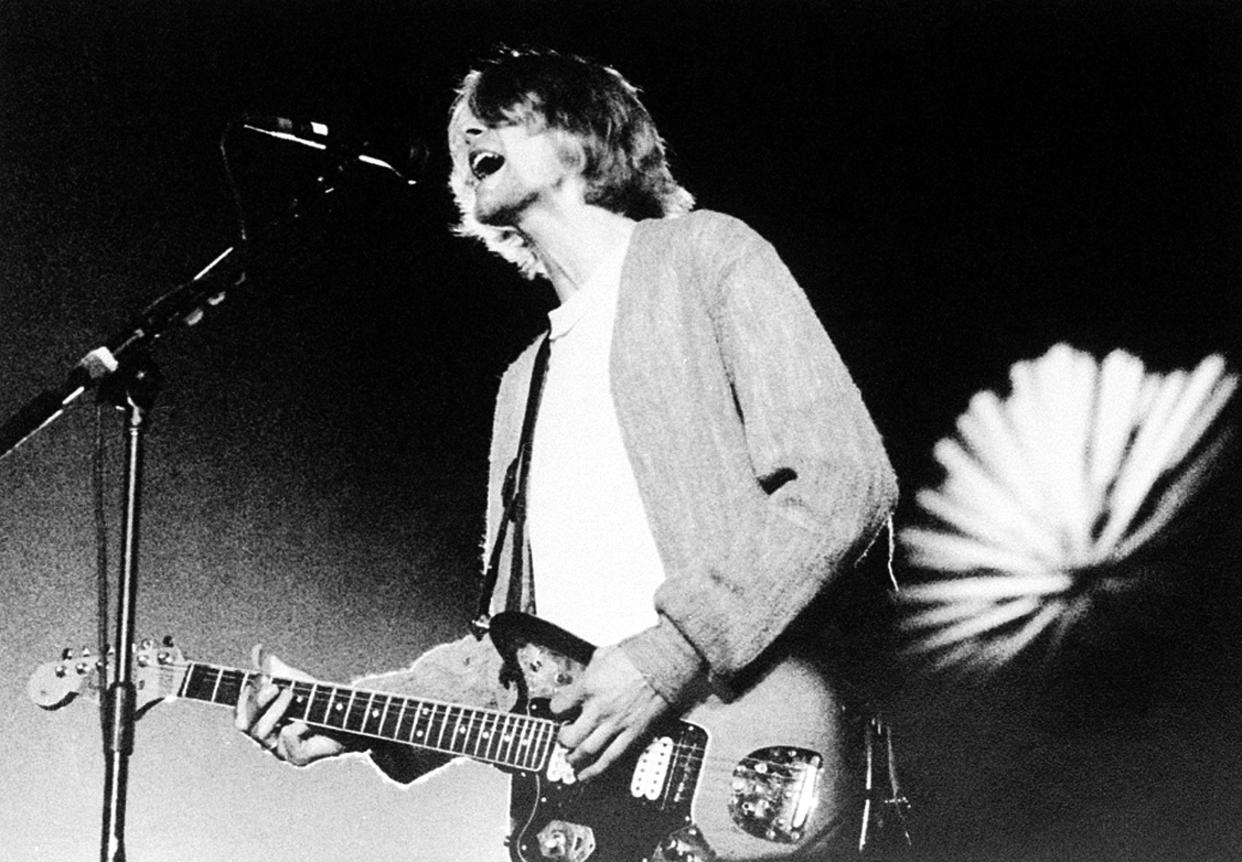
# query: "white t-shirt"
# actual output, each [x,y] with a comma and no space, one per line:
[594,559]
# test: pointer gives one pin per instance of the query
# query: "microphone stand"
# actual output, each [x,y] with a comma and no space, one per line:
[183,304]
[132,389]
[126,377]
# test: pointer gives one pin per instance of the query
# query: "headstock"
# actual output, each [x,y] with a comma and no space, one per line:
[159,669]
[55,683]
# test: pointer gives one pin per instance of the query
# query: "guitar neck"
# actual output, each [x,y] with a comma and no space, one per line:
[504,739]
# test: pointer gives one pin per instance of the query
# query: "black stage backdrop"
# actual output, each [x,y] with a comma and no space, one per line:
[958,185]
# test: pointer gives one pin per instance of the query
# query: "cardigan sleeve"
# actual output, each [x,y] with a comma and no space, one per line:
[465,671]
[823,487]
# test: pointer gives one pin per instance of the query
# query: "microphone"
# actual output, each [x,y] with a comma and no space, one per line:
[402,155]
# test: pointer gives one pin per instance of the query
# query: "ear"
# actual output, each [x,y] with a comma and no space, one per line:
[571,152]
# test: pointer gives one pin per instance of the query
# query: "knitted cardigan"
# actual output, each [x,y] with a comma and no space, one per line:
[761,471]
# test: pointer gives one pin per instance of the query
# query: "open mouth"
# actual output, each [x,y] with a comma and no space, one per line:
[483,164]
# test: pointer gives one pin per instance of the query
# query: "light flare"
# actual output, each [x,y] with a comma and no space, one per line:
[1049,495]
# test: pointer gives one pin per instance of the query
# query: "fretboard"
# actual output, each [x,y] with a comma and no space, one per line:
[501,738]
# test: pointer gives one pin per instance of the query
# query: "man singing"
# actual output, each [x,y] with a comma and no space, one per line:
[699,467]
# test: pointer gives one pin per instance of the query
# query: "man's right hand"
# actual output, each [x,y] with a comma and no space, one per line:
[260,714]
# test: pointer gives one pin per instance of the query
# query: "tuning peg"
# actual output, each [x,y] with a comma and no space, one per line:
[86,652]
[66,654]
[168,641]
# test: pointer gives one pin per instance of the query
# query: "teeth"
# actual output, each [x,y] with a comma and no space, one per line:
[483,164]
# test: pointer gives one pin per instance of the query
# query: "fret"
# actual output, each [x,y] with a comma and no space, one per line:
[533,738]
[541,746]
[467,730]
[228,685]
[356,711]
[387,729]
[407,723]
[498,738]
[332,709]
[526,732]
[497,733]
[474,730]
[370,712]
[192,671]
[455,735]
[499,727]
[490,725]
[421,731]
[510,738]
[519,726]
[326,695]
[477,733]
[532,729]
[396,727]
[323,695]
[194,683]
[317,698]
[349,708]
[185,680]
[461,733]
[308,701]
[468,736]
[529,732]
[443,722]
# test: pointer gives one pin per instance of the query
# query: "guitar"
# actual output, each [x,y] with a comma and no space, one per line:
[759,777]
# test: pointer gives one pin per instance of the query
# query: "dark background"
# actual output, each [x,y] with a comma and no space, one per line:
[958,186]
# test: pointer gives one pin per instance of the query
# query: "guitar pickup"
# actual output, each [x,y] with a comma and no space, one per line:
[651,770]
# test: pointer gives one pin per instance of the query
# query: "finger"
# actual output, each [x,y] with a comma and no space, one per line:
[565,699]
[288,743]
[300,745]
[273,713]
[271,665]
[255,694]
[586,751]
[244,711]
[610,755]
[247,709]
[576,732]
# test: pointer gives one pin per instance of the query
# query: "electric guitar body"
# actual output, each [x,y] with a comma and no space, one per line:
[762,776]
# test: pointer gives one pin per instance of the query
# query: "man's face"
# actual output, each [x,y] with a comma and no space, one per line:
[500,172]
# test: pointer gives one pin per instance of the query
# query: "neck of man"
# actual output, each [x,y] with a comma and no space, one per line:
[572,237]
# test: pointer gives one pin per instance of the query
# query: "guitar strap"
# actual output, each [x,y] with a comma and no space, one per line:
[513,498]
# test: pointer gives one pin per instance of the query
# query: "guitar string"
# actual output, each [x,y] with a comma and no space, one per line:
[692,752]
[543,729]
[231,680]
[475,718]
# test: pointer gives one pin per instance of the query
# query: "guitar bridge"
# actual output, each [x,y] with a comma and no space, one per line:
[774,792]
